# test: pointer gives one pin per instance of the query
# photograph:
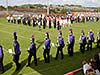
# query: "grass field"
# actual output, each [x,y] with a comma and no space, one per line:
[55,67]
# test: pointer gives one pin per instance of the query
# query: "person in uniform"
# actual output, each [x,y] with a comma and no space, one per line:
[29,21]
[11,19]
[60,43]
[46,52]
[82,40]
[18,20]
[98,40]
[34,21]
[39,25]
[54,22]
[44,22]
[1,60]
[17,52]
[8,19]
[58,25]
[14,20]
[49,23]
[23,20]
[32,52]
[71,41]
[90,39]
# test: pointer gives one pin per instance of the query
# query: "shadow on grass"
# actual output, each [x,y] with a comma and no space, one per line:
[8,66]
[40,44]
[23,63]
[60,67]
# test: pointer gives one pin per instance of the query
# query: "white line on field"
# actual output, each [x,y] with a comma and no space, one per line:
[11,34]
[29,29]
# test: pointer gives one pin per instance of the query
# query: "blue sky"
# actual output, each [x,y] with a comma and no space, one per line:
[90,3]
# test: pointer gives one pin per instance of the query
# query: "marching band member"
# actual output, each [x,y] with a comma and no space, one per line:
[1,60]
[71,41]
[90,39]
[32,52]
[46,52]
[98,40]
[82,40]
[60,46]
[17,52]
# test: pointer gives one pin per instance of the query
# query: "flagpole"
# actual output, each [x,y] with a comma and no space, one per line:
[98,9]
[7,6]
[47,7]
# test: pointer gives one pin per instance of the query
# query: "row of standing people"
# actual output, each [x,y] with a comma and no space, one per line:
[47,45]
[88,40]
[63,19]
[55,21]
[40,21]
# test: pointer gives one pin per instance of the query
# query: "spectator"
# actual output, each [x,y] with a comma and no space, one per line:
[97,60]
[90,72]
[86,66]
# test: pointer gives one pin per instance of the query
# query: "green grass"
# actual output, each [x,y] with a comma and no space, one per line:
[58,67]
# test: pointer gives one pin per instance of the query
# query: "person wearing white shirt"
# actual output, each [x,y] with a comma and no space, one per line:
[86,66]
[8,18]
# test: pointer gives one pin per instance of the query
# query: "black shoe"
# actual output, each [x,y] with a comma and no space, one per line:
[55,58]
[19,65]
[48,61]
[17,68]
[27,65]
[1,72]
[36,65]
[45,61]
[62,58]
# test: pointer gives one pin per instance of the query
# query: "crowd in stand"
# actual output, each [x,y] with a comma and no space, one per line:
[93,67]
